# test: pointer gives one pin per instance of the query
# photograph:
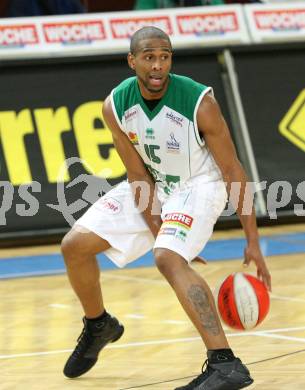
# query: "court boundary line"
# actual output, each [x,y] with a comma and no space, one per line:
[193,376]
[267,333]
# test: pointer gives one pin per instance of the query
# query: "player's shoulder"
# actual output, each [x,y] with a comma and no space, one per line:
[124,96]
[184,82]
[186,94]
[125,85]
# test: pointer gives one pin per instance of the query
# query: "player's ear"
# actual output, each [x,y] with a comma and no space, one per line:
[131,61]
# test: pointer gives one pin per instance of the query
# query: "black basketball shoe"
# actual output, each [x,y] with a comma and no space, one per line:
[93,338]
[231,375]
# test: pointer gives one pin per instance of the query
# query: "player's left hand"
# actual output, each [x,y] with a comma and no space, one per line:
[253,253]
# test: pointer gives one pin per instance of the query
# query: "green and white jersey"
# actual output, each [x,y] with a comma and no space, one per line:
[167,138]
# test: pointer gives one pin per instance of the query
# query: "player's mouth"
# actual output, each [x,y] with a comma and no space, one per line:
[156,80]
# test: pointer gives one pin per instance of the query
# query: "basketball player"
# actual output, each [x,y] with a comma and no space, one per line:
[177,149]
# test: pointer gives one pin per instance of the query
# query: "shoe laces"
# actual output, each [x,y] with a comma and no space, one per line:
[82,340]
[206,370]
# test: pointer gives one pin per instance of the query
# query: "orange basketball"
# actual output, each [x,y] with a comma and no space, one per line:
[242,301]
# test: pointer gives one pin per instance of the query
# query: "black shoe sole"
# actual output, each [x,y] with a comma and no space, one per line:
[231,386]
[238,387]
[79,373]
[246,384]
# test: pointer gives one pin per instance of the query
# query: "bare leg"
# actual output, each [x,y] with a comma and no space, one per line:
[79,249]
[194,295]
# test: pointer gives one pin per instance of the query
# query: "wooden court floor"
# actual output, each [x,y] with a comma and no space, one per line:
[40,320]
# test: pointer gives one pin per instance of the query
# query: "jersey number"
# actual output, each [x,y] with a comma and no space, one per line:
[150,152]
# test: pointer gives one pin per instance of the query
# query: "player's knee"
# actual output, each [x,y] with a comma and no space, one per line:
[71,246]
[167,262]
[161,260]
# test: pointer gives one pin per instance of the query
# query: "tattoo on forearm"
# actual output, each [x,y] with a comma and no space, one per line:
[200,300]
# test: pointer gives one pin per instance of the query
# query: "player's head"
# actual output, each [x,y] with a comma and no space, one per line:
[150,57]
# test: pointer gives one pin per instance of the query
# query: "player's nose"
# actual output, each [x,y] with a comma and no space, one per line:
[156,65]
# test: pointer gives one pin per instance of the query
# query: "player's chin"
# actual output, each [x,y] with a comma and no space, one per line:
[155,88]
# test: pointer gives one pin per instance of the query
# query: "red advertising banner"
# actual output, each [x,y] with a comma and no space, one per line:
[18,35]
[207,23]
[280,19]
[284,22]
[111,32]
[124,28]
[78,31]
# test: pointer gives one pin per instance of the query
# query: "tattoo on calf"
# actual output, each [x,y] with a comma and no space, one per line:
[200,300]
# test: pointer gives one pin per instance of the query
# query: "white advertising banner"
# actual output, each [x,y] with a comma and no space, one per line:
[196,26]
[19,36]
[210,26]
[78,34]
[276,22]
[122,25]
[106,33]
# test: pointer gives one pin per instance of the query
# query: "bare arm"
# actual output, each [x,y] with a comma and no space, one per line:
[136,170]
[218,139]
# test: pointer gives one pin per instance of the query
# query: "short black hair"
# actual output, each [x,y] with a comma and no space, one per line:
[147,33]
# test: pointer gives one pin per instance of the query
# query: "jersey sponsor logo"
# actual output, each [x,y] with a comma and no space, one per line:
[292,125]
[130,114]
[181,235]
[18,36]
[149,133]
[174,118]
[210,23]
[173,146]
[167,230]
[280,20]
[133,137]
[125,28]
[74,32]
[178,219]
[110,205]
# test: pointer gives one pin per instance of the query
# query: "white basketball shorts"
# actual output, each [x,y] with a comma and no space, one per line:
[188,216]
